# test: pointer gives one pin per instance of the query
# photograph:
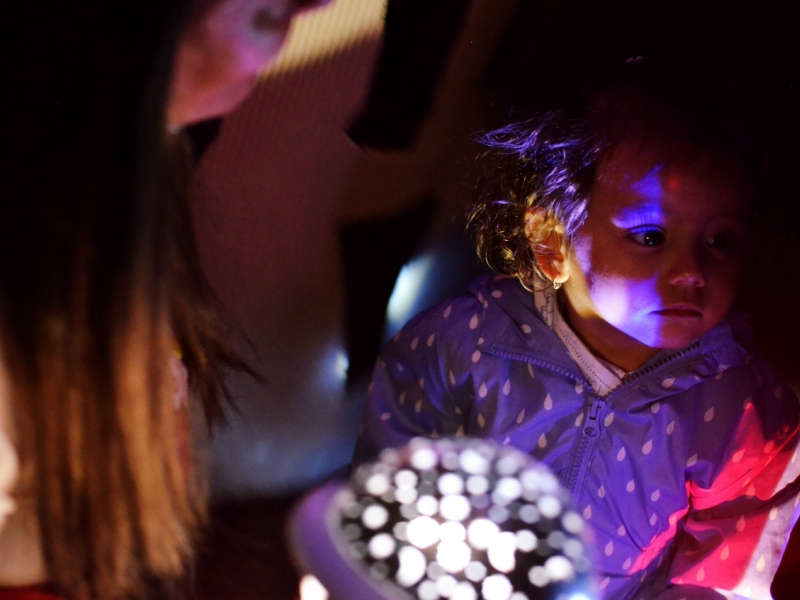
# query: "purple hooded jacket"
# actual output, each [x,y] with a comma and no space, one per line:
[687,473]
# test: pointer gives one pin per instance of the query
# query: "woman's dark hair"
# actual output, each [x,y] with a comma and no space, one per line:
[549,161]
[99,283]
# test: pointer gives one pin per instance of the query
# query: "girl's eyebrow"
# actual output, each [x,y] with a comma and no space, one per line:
[642,214]
[650,189]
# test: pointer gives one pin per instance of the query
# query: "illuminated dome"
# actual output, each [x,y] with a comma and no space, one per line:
[445,520]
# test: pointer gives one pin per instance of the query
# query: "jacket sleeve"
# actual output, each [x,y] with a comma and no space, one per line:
[414,391]
[731,541]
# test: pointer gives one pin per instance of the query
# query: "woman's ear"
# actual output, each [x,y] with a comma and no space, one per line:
[546,238]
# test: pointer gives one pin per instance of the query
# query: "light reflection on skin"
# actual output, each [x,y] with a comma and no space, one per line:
[656,264]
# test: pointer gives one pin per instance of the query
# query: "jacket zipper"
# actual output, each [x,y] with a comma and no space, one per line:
[573,476]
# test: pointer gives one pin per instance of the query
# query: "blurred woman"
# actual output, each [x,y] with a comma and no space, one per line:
[105,327]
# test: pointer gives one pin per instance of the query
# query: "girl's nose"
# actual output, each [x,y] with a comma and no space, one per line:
[688,271]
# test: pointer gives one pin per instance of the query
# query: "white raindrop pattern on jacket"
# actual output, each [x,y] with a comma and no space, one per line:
[629,461]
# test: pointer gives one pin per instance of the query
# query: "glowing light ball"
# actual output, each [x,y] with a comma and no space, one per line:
[458,519]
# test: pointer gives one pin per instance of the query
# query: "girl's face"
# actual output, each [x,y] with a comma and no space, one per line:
[657,262]
[221,53]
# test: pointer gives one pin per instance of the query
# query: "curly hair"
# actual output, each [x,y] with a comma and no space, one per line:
[549,162]
[546,162]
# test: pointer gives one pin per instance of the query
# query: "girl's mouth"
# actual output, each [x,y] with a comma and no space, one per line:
[681,311]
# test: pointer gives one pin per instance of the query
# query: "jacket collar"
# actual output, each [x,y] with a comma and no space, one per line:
[513,327]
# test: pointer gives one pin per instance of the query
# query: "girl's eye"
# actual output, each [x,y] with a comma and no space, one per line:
[724,242]
[648,237]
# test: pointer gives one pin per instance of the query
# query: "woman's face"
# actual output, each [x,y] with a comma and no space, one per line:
[221,53]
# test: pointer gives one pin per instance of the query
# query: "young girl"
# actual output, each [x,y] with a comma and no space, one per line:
[604,346]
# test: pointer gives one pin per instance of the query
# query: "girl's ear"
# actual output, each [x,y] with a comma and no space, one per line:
[546,238]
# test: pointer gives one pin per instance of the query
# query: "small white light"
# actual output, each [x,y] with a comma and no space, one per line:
[549,506]
[477,484]
[449,459]
[381,546]
[455,508]
[464,591]
[423,459]
[475,571]
[529,514]
[412,566]
[507,490]
[446,585]
[573,548]
[496,587]
[481,532]
[377,484]
[450,483]
[539,576]
[453,556]
[427,505]
[408,511]
[423,532]
[473,463]
[510,464]
[406,478]
[399,531]
[405,495]
[572,522]
[559,568]
[375,516]
[451,531]
[526,540]
[534,480]
[427,590]
[435,570]
[498,514]
[501,552]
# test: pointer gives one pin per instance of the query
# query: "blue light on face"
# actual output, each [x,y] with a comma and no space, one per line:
[650,186]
